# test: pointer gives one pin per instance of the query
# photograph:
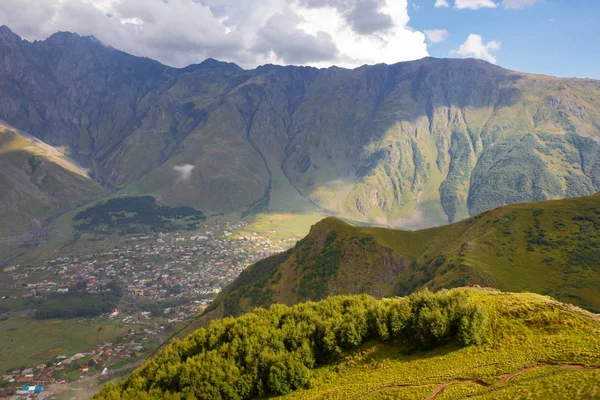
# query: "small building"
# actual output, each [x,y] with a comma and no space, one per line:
[33,389]
[134,291]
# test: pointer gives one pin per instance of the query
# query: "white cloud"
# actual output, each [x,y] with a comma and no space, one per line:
[399,43]
[347,33]
[282,38]
[185,171]
[474,4]
[516,4]
[474,47]
[441,3]
[436,35]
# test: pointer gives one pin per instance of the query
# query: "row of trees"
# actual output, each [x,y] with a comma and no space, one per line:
[273,351]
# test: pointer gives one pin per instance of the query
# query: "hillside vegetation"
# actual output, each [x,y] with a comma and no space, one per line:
[549,247]
[414,144]
[449,344]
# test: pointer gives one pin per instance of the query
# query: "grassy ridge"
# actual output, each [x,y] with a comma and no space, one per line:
[358,347]
[549,247]
[537,348]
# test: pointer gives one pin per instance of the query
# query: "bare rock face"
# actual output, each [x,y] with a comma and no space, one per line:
[412,144]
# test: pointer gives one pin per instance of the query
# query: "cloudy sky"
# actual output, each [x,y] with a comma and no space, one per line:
[557,37]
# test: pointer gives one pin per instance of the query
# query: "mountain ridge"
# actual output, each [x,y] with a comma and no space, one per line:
[6,30]
[548,247]
[412,144]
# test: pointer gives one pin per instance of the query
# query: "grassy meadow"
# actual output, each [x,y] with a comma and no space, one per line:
[28,341]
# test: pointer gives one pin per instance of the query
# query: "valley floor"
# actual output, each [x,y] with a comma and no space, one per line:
[165,279]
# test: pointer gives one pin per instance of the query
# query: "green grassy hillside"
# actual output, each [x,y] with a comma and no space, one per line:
[452,344]
[37,182]
[549,247]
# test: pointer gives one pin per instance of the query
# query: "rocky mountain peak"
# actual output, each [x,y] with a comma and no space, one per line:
[63,38]
[7,35]
[215,65]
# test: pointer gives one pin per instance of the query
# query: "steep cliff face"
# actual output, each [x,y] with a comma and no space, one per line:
[412,144]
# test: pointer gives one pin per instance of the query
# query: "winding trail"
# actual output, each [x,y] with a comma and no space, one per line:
[504,379]
[508,377]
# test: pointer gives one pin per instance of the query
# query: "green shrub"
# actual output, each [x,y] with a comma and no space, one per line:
[271,352]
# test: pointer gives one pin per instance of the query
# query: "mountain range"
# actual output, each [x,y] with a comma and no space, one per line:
[414,144]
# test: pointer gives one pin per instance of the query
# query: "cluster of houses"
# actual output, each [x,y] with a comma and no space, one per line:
[157,267]
[29,382]
[189,267]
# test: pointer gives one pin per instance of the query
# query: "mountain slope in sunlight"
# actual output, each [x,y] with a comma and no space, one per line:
[37,181]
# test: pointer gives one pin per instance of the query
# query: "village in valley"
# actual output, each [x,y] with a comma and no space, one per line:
[147,285]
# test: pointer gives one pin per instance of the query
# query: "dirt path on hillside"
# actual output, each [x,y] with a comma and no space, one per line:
[508,377]
[504,379]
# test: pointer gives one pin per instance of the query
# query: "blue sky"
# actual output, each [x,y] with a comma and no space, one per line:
[552,37]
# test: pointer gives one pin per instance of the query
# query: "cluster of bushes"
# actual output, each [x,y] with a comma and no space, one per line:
[538,238]
[587,252]
[273,351]
[136,215]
